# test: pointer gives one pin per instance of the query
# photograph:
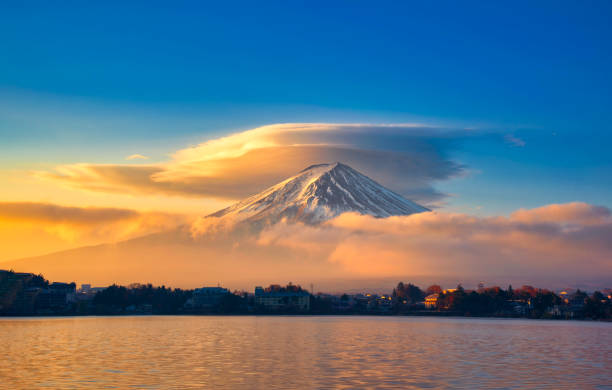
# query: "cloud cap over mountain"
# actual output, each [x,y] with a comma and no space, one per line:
[407,158]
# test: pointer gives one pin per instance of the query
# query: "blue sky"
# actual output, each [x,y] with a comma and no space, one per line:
[94,82]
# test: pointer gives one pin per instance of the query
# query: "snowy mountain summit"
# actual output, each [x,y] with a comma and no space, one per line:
[317,194]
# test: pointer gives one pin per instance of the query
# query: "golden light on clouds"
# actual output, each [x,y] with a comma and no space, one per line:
[136,157]
[244,163]
[53,227]
[529,242]
[566,239]
[152,216]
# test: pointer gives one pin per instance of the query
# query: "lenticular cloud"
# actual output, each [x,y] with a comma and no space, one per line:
[407,158]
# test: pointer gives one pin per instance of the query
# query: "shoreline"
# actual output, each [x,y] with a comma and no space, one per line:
[429,315]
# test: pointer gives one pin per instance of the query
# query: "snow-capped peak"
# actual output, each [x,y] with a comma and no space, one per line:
[317,194]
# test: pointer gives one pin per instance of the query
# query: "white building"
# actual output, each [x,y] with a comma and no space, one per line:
[276,297]
[206,297]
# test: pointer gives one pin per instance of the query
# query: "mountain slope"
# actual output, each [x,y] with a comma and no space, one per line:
[317,194]
[179,258]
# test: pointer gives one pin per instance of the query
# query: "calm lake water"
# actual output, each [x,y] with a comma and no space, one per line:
[303,352]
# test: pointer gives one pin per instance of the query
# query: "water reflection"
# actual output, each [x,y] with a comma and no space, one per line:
[303,352]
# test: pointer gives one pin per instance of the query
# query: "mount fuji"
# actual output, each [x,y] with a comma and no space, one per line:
[236,255]
[318,194]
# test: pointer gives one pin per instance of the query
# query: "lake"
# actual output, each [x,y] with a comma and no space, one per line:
[286,352]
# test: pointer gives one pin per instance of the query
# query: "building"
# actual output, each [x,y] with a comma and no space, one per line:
[25,293]
[206,297]
[11,287]
[519,307]
[431,301]
[57,296]
[554,310]
[343,303]
[384,303]
[87,293]
[276,297]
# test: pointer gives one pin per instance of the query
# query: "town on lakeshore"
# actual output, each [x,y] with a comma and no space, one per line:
[27,294]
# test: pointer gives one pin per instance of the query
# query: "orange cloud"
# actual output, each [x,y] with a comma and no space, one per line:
[49,213]
[552,246]
[576,212]
[57,227]
[531,243]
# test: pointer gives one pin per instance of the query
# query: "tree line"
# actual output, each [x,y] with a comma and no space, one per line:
[29,294]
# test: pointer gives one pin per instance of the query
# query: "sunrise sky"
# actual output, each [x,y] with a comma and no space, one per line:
[118,121]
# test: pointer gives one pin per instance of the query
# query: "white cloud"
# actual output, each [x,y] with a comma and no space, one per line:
[136,157]
[515,141]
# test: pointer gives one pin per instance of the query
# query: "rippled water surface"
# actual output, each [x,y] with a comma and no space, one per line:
[303,352]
